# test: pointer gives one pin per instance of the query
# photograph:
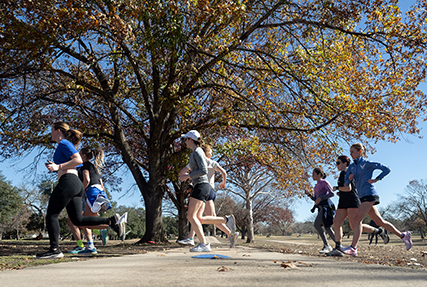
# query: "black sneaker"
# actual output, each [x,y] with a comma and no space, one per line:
[384,235]
[51,254]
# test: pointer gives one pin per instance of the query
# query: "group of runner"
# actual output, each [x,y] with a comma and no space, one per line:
[357,198]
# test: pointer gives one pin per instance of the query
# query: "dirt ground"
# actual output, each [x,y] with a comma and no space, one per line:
[394,254]
[21,254]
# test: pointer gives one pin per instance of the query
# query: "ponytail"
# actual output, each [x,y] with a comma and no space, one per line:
[320,171]
[74,136]
[97,154]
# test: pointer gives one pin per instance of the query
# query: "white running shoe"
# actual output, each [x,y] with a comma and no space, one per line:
[186,241]
[407,239]
[326,249]
[201,248]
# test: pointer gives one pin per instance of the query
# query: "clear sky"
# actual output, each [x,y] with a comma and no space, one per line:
[405,158]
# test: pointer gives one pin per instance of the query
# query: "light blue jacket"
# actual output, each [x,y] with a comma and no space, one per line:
[363,170]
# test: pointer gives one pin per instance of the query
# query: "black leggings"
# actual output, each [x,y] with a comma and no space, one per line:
[68,193]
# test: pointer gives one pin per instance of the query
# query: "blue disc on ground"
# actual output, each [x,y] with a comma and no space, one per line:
[211,256]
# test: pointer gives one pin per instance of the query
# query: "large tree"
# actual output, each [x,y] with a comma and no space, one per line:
[133,75]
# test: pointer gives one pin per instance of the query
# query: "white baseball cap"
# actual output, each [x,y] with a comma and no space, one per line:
[193,134]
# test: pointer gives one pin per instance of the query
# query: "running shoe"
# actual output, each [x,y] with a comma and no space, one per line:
[88,251]
[104,236]
[407,239]
[123,224]
[51,254]
[233,239]
[384,235]
[116,224]
[76,250]
[186,241]
[201,248]
[326,249]
[349,251]
[336,253]
[231,223]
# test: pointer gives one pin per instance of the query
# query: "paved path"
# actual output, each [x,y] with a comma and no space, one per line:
[246,267]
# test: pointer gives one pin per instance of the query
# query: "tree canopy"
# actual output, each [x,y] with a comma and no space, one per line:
[290,79]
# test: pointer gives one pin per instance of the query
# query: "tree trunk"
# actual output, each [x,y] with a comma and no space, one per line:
[250,222]
[153,214]
[183,225]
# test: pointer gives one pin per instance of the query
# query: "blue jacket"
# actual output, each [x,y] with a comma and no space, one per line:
[363,170]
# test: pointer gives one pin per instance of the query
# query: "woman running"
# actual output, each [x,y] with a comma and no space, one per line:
[69,190]
[361,171]
[348,205]
[209,205]
[96,199]
[199,176]
[322,193]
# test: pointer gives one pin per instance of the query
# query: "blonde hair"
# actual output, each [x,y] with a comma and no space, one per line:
[360,147]
[98,154]
[74,136]
[206,148]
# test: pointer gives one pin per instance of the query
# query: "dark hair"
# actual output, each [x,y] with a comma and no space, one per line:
[320,171]
[98,154]
[345,159]
[74,136]
[199,142]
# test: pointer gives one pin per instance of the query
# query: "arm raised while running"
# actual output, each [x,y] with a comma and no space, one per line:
[223,174]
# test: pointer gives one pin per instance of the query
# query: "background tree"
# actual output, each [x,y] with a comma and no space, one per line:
[37,200]
[10,204]
[412,204]
[300,77]
[279,220]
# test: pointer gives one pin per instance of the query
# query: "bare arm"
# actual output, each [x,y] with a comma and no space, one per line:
[184,174]
[86,178]
[224,176]
[62,168]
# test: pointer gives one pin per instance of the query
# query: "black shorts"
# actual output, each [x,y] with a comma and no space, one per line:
[371,198]
[201,191]
[212,195]
[348,200]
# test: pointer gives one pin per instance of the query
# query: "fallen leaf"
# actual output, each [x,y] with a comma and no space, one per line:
[291,264]
[222,269]
[246,255]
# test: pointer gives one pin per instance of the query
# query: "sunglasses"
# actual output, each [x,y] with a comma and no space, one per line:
[338,163]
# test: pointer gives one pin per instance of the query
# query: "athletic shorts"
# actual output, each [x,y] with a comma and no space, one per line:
[348,200]
[201,191]
[97,199]
[212,195]
[371,198]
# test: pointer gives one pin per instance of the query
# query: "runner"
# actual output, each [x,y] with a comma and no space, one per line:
[199,171]
[361,171]
[326,209]
[348,204]
[95,199]
[69,190]
[210,205]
